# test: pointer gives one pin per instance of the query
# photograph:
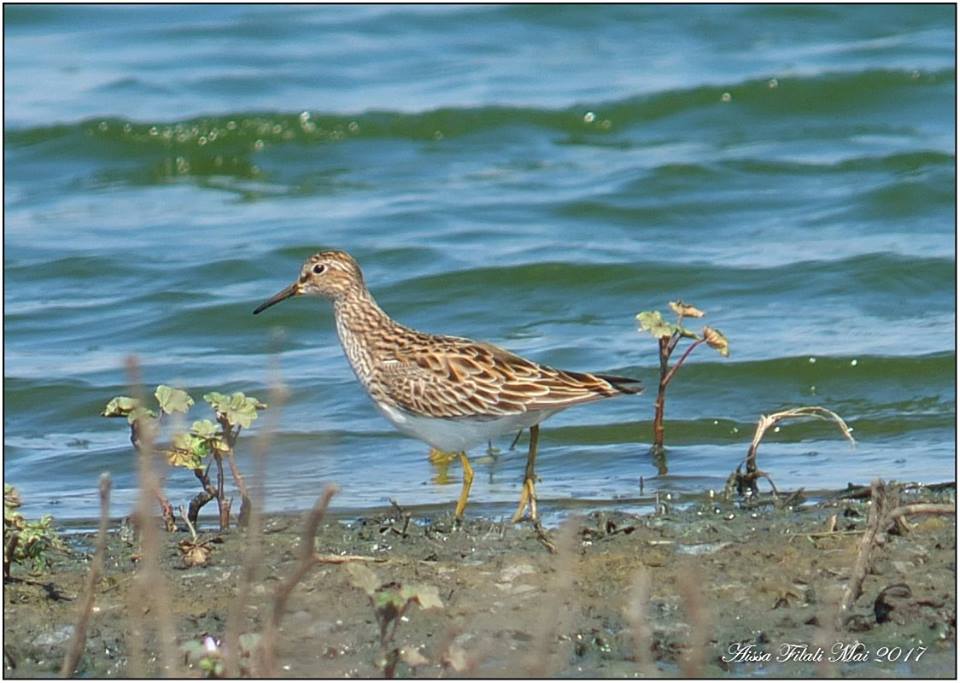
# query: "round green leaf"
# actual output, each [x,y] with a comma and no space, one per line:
[173,400]
[653,322]
[139,412]
[120,406]
[205,429]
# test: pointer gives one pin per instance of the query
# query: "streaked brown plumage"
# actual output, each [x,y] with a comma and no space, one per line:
[451,392]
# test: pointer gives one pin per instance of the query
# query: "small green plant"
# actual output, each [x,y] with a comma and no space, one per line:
[144,423]
[207,656]
[390,603]
[669,335]
[26,541]
[207,440]
[206,444]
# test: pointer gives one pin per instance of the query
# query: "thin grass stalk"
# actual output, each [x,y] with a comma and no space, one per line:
[254,549]
[75,650]
[305,562]
[151,581]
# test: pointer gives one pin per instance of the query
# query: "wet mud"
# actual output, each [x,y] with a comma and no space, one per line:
[713,589]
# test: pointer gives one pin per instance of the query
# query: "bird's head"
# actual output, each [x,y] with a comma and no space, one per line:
[331,274]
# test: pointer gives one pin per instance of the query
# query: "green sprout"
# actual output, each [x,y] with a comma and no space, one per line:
[207,656]
[26,541]
[145,421]
[209,443]
[669,335]
[390,603]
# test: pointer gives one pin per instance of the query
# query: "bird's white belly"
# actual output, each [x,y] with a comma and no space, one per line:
[459,433]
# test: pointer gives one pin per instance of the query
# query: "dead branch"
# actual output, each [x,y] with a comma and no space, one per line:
[748,480]
[74,652]
[543,538]
[768,421]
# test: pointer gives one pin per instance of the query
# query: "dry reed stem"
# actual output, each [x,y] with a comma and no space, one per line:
[637,616]
[689,581]
[253,508]
[885,510]
[75,651]
[305,562]
[825,635]
[922,509]
[149,579]
[854,586]
[343,559]
[558,608]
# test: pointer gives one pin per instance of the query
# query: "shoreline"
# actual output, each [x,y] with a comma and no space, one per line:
[708,589]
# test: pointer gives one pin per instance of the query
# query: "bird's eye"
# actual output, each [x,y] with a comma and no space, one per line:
[319,268]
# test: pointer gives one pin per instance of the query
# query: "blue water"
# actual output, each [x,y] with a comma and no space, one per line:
[530,176]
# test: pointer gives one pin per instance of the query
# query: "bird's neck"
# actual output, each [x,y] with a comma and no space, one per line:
[360,324]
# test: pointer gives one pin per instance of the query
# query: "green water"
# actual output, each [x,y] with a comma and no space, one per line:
[529,176]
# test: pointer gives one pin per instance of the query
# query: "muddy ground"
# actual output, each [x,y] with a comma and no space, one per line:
[722,578]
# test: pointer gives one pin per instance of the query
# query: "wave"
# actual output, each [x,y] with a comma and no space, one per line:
[206,143]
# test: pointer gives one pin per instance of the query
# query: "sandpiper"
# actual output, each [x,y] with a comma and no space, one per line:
[451,392]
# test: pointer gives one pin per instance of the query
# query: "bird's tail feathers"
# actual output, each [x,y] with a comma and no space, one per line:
[624,385]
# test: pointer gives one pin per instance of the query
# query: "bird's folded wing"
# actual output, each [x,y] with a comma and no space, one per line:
[454,377]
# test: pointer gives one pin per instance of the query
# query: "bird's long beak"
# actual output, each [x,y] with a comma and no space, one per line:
[292,290]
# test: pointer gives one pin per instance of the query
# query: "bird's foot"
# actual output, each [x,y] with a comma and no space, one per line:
[528,498]
[438,457]
[441,461]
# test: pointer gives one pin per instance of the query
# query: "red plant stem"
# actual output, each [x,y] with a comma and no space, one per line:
[8,554]
[686,353]
[231,435]
[667,345]
[202,498]
[222,505]
[166,509]
[166,512]
[661,390]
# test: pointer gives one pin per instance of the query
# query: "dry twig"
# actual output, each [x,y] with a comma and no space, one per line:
[748,479]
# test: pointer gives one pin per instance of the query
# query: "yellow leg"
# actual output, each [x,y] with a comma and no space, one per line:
[528,494]
[441,461]
[467,482]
